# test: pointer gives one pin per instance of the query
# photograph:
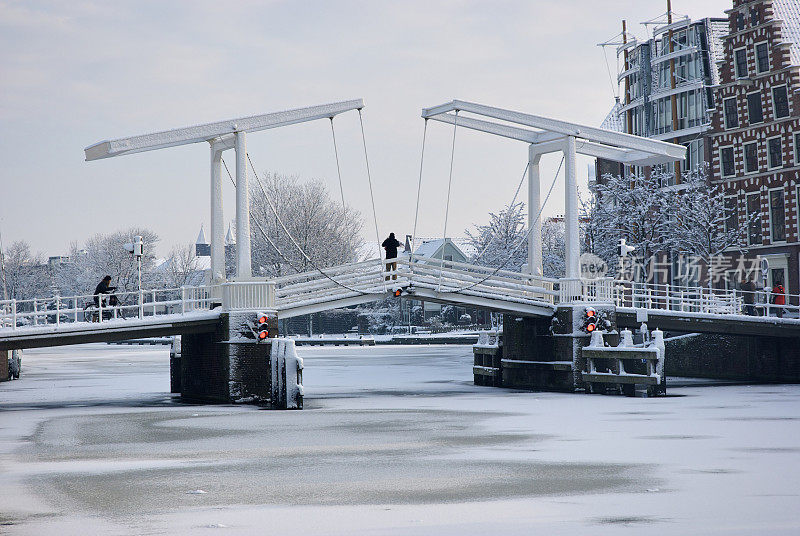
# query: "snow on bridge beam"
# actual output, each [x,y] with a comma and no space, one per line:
[554,143]
[210,131]
[549,129]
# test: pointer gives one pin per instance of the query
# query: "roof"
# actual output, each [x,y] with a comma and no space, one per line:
[429,248]
[613,120]
[230,238]
[370,248]
[788,11]
[717,30]
[201,237]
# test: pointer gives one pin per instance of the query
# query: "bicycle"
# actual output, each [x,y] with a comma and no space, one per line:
[110,303]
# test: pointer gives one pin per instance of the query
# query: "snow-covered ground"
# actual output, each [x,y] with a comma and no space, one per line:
[393,440]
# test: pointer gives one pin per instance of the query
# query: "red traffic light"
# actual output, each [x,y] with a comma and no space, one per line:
[398,292]
[263,334]
[590,327]
[590,313]
[262,319]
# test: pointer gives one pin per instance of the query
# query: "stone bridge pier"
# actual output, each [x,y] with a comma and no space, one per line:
[229,364]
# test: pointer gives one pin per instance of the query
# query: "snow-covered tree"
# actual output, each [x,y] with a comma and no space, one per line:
[180,267]
[553,249]
[701,225]
[105,254]
[689,219]
[634,208]
[503,237]
[26,275]
[327,232]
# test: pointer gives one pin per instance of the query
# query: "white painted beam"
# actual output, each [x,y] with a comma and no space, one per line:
[243,259]
[534,205]
[551,142]
[208,131]
[564,128]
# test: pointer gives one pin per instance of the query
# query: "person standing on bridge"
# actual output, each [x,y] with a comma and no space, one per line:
[779,298]
[104,287]
[748,290]
[390,245]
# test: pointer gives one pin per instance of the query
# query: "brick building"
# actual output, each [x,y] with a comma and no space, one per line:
[755,130]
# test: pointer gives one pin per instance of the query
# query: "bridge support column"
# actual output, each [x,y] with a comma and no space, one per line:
[534,205]
[217,217]
[228,365]
[571,219]
[243,261]
[544,354]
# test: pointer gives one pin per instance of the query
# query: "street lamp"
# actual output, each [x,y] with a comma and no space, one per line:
[136,248]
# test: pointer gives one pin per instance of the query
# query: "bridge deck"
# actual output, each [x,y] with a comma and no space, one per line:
[49,322]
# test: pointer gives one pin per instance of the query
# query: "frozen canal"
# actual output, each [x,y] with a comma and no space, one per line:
[393,440]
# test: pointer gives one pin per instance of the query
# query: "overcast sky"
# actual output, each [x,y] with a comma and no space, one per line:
[75,73]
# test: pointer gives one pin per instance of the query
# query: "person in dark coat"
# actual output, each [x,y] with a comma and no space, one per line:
[390,245]
[104,287]
[748,289]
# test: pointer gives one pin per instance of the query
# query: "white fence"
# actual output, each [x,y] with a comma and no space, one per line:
[444,279]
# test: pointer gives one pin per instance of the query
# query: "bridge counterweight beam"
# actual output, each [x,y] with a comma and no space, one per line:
[571,223]
[534,204]
[217,218]
[243,267]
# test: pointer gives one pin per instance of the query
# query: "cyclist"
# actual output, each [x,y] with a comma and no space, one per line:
[104,287]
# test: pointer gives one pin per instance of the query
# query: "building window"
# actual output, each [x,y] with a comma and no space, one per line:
[754,218]
[740,21]
[750,157]
[777,215]
[797,148]
[762,58]
[694,155]
[754,111]
[741,63]
[731,216]
[726,161]
[755,16]
[775,152]
[780,102]
[731,114]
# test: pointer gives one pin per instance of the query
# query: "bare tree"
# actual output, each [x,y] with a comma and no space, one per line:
[325,231]
[104,254]
[180,267]
[26,275]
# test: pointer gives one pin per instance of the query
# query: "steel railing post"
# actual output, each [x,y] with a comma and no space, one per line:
[154,303]
[35,311]
[183,300]
[14,314]
[58,311]
[141,304]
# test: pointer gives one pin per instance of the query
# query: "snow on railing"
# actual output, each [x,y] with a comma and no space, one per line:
[248,295]
[57,310]
[369,277]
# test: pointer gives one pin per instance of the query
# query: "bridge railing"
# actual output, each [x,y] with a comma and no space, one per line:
[677,298]
[475,280]
[341,282]
[248,294]
[57,310]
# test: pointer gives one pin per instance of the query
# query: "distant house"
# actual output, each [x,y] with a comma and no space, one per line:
[440,248]
[435,248]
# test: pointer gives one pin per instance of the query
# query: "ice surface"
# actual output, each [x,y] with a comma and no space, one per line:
[393,440]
